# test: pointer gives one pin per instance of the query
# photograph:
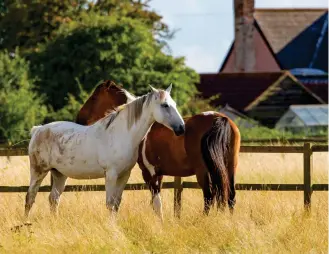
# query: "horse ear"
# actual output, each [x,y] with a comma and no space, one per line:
[153,89]
[169,88]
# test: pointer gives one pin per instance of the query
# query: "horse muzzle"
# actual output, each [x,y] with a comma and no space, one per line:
[179,130]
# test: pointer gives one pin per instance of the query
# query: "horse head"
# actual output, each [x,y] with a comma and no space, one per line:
[106,97]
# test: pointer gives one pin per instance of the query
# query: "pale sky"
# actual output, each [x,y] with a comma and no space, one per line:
[206,27]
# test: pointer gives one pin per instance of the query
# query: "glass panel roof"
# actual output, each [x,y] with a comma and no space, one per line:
[311,114]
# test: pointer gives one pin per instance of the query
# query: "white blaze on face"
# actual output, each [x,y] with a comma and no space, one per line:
[172,116]
[146,163]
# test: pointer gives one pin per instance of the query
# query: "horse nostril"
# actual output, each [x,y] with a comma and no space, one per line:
[182,128]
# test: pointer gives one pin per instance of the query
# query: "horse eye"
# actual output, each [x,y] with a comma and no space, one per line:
[165,105]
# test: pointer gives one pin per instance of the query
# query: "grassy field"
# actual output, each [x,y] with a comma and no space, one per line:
[263,222]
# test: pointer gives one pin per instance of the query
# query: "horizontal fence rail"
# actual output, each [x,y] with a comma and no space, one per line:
[178,185]
[286,140]
[171,185]
[22,151]
[321,139]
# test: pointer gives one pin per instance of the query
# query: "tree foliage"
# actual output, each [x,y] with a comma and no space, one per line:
[20,107]
[135,10]
[68,46]
[97,48]
[72,106]
[26,23]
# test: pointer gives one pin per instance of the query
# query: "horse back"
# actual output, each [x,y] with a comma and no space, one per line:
[196,128]
[56,134]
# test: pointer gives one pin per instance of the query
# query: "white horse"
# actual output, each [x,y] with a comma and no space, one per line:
[108,148]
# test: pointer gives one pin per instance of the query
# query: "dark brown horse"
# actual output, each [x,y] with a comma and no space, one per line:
[209,149]
[106,97]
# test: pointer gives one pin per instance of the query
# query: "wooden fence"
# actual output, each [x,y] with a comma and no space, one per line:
[178,185]
[286,140]
[320,140]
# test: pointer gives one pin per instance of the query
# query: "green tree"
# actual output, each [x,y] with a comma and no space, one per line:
[26,23]
[72,106]
[135,10]
[20,107]
[97,48]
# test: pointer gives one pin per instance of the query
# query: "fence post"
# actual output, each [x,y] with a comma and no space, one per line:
[178,188]
[51,181]
[307,175]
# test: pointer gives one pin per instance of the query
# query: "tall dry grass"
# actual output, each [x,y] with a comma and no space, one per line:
[263,222]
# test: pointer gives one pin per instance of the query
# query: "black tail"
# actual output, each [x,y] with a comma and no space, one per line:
[215,147]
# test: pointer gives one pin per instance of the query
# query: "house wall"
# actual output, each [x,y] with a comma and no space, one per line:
[265,61]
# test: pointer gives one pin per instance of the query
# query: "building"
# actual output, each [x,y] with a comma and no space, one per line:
[315,80]
[282,39]
[301,118]
[240,119]
[277,59]
[262,96]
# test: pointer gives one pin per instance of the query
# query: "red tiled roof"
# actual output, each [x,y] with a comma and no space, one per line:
[236,89]
[281,26]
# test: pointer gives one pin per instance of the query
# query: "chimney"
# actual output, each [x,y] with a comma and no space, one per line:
[245,57]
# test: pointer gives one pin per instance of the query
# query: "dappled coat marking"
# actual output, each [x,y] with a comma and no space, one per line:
[88,152]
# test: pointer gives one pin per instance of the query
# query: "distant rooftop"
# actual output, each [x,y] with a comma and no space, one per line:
[281,26]
[307,71]
[236,89]
[311,114]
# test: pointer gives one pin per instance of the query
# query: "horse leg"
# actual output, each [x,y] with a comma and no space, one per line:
[220,201]
[231,198]
[155,187]
[121,184]
[35,182]
[154,183]
[57,189]
[147,179]
[208,197]
[114,187]
[111,178]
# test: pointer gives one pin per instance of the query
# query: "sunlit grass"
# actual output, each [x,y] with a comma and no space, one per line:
[263,222]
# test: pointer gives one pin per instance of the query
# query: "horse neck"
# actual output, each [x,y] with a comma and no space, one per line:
[140,128]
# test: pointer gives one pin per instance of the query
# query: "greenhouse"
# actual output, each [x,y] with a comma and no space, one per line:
[310,118]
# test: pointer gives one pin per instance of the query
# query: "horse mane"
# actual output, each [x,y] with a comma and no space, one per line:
[135,109]
[110,116]
[109,83]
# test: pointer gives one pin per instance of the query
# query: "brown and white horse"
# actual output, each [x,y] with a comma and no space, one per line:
[72,150]
[209,149]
